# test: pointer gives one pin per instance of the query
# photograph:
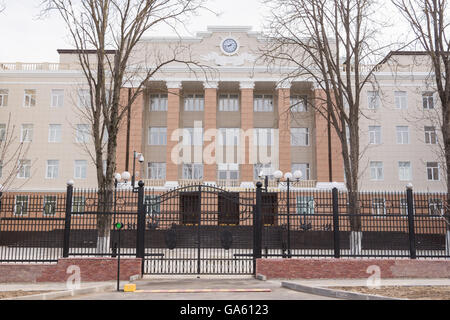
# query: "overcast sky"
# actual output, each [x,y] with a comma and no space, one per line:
[28,39]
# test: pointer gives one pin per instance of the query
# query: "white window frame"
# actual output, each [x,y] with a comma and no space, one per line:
[78,204]
[2,131]
[401,100]
[433,204]
[193,136]
[228,102]
[428,100]
[376,171]
[80,169]
[266,168]
[192,171]
[377,204]
[402,135]
[54,133]
[83,132]
[305,168]
[299,103]
[26,132]
[375,135]
[433,170]
[373,100]
[156,170]
[4,93]
[300,137]
[194,102]
[24,171]
[157,136]
[24,199]
[429,134]
[84,98]
[53,202]
[52,169]
[263,103]
[29,98]
[158,102]
[404,172]
[57,98]
[230,170]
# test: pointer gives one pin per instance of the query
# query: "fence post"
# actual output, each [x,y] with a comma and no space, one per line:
[336,234]
[257,226]
[69,196]
[140,234]
[412,236]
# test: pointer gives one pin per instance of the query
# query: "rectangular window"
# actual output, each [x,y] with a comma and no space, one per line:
[263,103]
[156,170]
[403,206]
[378,206]
[194,102]
[373,99]
[435,207]
[376,170]
[402,135]
[304,168]
[263,136]
[157,136]
[229,136]
[82,133]
[228,102]
[57,98]
[374,134]
[2,131]
[193,171]
[433,171]
[404,171]
[24,169]
[29,99]
[54,133]
[428,100]
[305,205]
[262,169]
[52,169]
[84,98]
[299,103]
[401,99]
[300,137]
[158,102]
[49,205]
[192,136]
[4,97]
[21,206]
[228,171]
[80,169]
[26,133]
[430,135]
[78,204]
[152,206]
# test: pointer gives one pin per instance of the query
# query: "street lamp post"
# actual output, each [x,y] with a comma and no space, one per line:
[288,176]
[141,161]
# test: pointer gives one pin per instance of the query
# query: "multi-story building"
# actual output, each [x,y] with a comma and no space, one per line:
[223,121]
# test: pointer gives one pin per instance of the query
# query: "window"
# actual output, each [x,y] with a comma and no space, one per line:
[228,171]
[430,135]
[300,137]
[2,131]
[229,136]
[433,171]
[404,171]
[152,205]
[193,171]
[228,102]
[263,136]
[52,169]
[376,170]
[304,168]
[157,136]
[193,136]
[378,206]
[194,102]
[49,206]
[435,207]
[54,133]
[84,98]
[24,169]
[428,100]
[156,170]
[374,134]
[57,98]
[401,99]
[4,97]
[80,169]
[299,103]
[403,206]
[158,102]
[21,206]
[78,204]
[263,103]
[29,99]
[266,169]
[402,135]
[82,133]
[26,133]
[373,99]
[305,205]
[1,171]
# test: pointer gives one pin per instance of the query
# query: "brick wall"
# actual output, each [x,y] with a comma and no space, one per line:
[351,268]
[91,269]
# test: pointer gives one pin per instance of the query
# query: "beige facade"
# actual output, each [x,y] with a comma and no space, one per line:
[236,93]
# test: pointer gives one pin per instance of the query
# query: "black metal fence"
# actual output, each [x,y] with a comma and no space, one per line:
[204,229]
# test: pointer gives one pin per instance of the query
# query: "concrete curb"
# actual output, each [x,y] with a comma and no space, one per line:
[65,294]
[332,293]
[261,277]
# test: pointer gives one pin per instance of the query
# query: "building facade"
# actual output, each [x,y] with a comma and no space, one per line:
[223,120]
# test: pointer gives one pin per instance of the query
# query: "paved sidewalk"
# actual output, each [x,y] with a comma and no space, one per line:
[363,282]
[46,286]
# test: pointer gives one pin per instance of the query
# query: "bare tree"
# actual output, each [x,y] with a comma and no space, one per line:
[333,44]
[106,35]
[430,23]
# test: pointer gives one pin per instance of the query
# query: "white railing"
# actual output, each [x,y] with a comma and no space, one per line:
[228,183]
[154,182]
[45,66]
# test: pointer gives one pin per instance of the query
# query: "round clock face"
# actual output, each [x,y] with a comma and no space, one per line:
[229,46]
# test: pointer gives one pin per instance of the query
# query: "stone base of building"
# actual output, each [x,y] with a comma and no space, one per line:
[351,268]
[89,270]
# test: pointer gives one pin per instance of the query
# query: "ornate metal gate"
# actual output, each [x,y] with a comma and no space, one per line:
[199,230]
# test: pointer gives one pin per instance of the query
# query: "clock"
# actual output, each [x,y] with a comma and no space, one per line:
[229,46]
